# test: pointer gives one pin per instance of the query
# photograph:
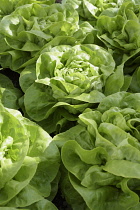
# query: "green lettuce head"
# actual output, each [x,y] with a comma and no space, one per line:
[119,28]
[101,155]
[29,162]
[89,10]
[25,31]
[8,6]
[69,79]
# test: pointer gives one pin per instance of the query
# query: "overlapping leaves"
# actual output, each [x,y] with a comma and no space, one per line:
[69,79]
[102,157]
[29,162]
[78,65]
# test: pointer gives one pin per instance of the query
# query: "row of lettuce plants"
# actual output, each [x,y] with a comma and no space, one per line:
[72,124]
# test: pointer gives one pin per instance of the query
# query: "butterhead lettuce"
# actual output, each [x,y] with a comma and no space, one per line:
[29,162]
[102,158]
[69,79]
